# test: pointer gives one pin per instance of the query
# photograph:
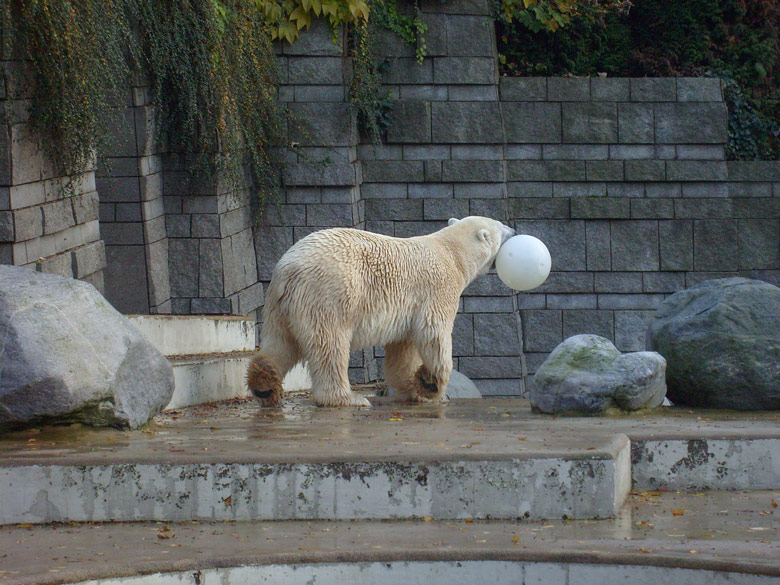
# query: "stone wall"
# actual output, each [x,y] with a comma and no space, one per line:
[48,222]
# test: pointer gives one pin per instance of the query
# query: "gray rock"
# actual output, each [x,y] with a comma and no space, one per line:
[721,339]
[67,354]
[460,386]
[587,374]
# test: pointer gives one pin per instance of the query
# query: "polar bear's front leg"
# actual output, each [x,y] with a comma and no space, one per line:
[329,367]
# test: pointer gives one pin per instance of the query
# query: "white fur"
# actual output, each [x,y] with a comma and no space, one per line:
[342,289]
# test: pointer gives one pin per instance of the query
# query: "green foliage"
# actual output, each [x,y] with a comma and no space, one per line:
[214,84]
[77,52]
[733,39]
[411,30]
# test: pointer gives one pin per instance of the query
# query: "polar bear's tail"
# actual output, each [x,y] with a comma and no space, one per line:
[265,381]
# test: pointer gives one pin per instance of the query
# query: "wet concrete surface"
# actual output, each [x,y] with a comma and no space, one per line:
[242,431]
[721,531]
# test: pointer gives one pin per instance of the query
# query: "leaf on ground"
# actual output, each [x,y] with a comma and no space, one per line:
[678,512]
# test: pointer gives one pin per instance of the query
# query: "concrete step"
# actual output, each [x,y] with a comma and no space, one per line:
[657,537]
[490,458]
[209,378]
[180,335]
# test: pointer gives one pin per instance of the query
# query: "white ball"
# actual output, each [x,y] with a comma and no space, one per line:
[523,262]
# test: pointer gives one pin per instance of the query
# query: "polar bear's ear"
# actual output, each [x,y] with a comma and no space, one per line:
[453,221]
[484,235]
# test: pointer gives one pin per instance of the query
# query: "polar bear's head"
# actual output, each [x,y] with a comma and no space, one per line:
[486,236]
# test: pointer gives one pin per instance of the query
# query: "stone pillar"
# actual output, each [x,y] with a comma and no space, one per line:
[131,210]
[48,222]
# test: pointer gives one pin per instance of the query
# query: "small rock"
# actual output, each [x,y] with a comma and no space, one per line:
[721,339]
[67,354]
[461,386]
[587,374]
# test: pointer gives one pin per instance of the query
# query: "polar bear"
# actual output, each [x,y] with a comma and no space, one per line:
[341,289]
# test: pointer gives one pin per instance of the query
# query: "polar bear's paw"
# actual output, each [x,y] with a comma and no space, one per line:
[351,399]
[360,400]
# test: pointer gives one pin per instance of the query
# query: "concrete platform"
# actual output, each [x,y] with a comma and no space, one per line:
[658,537]
[466,459]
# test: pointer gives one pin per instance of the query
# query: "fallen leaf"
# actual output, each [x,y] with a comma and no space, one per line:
[693,552]
[515,539]
[521,438]
[468,521]
[678,512]
[645,550]
[774,504]
[395,419]
[427,519]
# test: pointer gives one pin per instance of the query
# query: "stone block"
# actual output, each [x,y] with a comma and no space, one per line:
[318,70]
[211,282]
[27,195]
[567,282]
[490,367]
[699,89]
[487,285]
[532,122]
[470,171]
[529,189]
[482,152]
[177,226]
[597,245]
[542,330]
[409,229]
[323,124]
[696,170]
[386,171]
[303,195]
[211,306]
[703,208]
[205,225]
[634,245]
[705,190]
[495,208]
[7,226]
[662,282]
[625,190]
[318,93]
[604,170]
[663,190]
[487,304]
[618,282]
[57,216]
[465,70]
[652,209]
[548,170]
[239,269]
[410,122]
[539,208]
[630,301]
[653,89]
[610,89]
[441,209]
[406,71]
[577,190]
[522,151]
[759,244]
[564,239]
[276,214]
[691,123]
[676,244]
[463,335]
[316,40]
[336,215]
[128,212]
[431,93]
[432,170]
[60,264]
[753,170]
[88,259]
[600,208]
[470,36]
[436,35]
[319,174]
[568,301]
[568,89]
[589,122]
[472,93]
[496,335]
[715,245]
[27,223]
[575,152]
[757,208]
[636,123]
[339,195]
[479,190]
[270,244]
[631,329]
[701,152]
[426,152]
[183,264]
[593,322]
[119,189]
[645,170]
[429,191]
[394,209]
[466,122]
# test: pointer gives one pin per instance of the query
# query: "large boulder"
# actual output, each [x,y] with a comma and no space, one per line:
[67,354]
[721,339]
[587,374]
